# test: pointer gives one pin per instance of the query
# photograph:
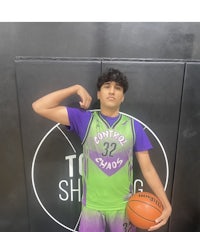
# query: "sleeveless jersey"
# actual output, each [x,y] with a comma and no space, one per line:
[108,163]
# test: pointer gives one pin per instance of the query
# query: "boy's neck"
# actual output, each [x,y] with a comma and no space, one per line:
[110,113]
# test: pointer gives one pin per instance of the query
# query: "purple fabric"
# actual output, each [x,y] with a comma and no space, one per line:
[79,120]
[117,162]
[98,221]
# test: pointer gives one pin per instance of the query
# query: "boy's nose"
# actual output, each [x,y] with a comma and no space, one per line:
[112,89]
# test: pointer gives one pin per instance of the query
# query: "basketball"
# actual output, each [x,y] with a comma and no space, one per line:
[143,208]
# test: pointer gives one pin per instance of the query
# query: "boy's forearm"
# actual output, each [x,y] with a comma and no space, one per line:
[55,98]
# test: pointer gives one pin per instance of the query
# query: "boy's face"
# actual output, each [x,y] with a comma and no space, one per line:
[111,95]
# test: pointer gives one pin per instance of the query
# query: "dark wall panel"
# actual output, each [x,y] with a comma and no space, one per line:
[186,190]
[13,211]
[52,166]
[154,97]
[108,39]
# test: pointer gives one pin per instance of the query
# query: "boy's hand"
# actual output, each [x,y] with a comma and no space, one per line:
[86,99]
[162,220]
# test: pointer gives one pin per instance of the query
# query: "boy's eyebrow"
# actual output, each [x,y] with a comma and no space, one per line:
[108,82]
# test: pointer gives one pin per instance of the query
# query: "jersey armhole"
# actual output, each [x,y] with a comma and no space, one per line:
[88,128]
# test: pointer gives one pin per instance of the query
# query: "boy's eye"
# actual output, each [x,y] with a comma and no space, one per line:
[118,87]
[108,85]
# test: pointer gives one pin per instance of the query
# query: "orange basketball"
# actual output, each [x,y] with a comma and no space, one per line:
[143,208]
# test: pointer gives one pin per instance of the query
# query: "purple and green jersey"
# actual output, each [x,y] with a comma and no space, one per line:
[108,146]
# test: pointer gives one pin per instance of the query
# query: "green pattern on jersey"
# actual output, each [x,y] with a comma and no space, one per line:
[108,163]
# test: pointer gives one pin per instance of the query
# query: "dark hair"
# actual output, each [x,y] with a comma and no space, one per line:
[113,75]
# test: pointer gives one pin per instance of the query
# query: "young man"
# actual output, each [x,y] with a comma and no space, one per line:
[109,139]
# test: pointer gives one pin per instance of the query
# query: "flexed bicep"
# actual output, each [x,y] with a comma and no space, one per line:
[49,106]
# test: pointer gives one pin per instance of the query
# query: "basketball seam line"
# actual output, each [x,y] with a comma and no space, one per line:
[140,215]
[147,204]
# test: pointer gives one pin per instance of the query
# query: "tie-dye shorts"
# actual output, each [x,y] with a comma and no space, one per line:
[104,221]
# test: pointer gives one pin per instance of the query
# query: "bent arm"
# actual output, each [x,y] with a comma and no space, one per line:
[155,184]
[49,106]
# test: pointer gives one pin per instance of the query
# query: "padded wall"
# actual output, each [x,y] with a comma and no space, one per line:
[52,155]
[141,40]
[186,188]
[57,189]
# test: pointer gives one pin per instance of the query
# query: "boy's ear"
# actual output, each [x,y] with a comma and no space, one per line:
[98,95]
[123,99]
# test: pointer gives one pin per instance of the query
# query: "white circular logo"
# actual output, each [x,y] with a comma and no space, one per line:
[62,180]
